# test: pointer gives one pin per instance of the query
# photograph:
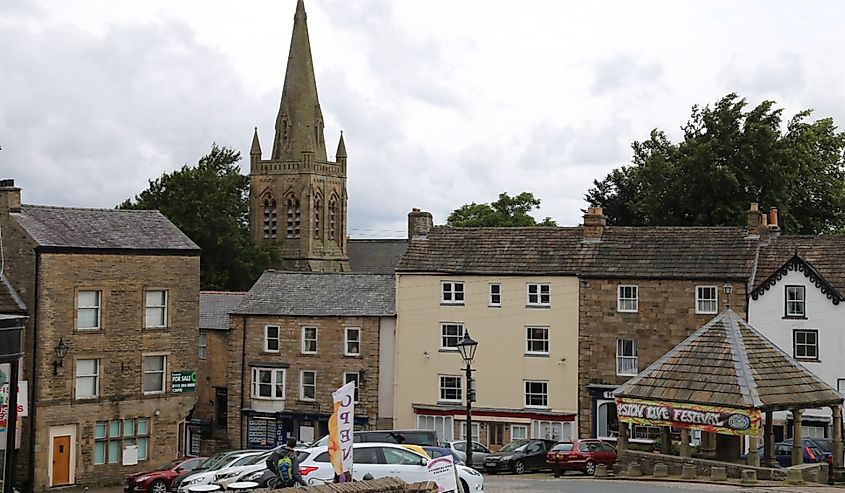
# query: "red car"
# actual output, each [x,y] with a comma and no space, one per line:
[580,455]
[159,479]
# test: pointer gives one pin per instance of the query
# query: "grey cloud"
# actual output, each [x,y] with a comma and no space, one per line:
[551,146]
[781,77]
[623,73]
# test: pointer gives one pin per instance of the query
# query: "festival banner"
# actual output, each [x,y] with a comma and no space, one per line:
[340,432]
[723,420]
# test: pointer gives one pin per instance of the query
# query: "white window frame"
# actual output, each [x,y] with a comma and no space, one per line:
[524,432]
[305,340]
[635,298]
[441,388]
[492,296]
[476,432]
[302,385]
[449,293]
[268,339]
[796,344]
[145,372]
[148,307]
[563,427]
[274,383]
[706,306]
[443,425]
[357,381]
[98,308]
[202,345]
[622,358]
[527,394]
[347,340]
[79,376]
[528,340]
[443,336]
[539,298]
[798,302]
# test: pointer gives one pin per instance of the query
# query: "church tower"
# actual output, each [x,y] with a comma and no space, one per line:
[298,197]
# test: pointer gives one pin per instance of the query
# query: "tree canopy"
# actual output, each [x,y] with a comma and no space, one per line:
[507,211]
[209,202]
[731,156]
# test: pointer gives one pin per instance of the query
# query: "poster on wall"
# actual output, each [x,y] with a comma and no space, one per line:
[261,432]
[722,420]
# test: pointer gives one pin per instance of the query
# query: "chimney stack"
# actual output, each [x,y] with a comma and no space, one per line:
[10,197]
[773,219]
[753,216]
[419,223]
[594,223]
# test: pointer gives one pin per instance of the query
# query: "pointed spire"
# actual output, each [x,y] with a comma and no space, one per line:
[256,146]
[299,111]
[341,148]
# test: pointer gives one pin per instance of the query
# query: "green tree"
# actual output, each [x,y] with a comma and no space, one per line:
[209,202]
[731,156]
[507,211]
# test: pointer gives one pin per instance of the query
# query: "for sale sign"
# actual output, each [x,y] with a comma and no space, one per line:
[183,381]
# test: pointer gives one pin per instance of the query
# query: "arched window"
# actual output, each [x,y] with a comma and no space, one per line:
[332,218]
[269,207]
[318,210]
[294,218]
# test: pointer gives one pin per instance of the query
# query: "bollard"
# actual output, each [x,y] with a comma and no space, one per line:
[689,471]
[601,471]
[813,476]
[794,476]
[556,468]
[618,469]
[661,470]
[634,470]
[718,473]
[749,476]
[830,471]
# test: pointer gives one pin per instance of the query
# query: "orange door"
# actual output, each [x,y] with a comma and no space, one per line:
[61,460]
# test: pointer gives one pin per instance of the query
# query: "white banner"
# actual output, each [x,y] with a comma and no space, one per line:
[340,432]
[442,471]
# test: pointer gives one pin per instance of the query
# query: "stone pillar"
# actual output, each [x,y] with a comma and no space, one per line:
[685,451]
[837,435]
[622,439]
[708,444]
[753,455]
[797,447]
[665,440]
[768,441]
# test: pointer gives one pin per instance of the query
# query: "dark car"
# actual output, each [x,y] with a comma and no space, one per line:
[783,452]
[519,456]
[580,455]
[160,479]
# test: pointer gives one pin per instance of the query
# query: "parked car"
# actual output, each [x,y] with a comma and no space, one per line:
[208,464]
[206,475]
[479,452]
[435,452]
[244,466]
[263,476]
[783,452]
[519,456]
[426,438]
[580,455]
[160,479]
[379,460]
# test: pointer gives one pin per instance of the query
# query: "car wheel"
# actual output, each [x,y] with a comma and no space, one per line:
[158,486]
[464,486]
[519,467]
[590,468]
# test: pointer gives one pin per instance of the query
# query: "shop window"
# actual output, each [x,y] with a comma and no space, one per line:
[111,437]
[443,425]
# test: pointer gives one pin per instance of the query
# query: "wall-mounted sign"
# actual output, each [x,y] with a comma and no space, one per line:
[183,381]
[723,420]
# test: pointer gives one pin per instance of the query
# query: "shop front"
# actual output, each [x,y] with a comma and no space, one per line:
[269,430]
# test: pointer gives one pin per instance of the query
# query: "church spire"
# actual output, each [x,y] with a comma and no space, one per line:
[300,118]
[341,148]
[256,146]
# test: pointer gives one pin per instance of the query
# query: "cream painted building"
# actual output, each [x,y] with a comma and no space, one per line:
[517,295]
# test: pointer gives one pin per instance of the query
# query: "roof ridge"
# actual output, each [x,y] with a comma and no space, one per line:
[98,209]
[744,375]
[223,292]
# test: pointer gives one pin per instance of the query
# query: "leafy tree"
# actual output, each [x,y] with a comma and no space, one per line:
[731,156]
[507,211]
[209,202]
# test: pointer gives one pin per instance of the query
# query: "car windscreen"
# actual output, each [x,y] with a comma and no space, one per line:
[248,460]
[212,462]
[168,465]
[515,446]
[562,447]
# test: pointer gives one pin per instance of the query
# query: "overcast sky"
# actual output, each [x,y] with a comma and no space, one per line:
[442,102]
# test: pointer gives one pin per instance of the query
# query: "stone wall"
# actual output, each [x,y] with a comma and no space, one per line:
[647,460]
[666,316]
[382,485]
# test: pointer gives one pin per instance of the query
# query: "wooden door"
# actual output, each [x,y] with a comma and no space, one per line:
[61,460]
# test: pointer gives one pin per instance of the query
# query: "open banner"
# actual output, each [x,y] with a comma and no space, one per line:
[340,432]
[723,420]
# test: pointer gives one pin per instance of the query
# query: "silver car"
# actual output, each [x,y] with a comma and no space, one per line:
[479,452]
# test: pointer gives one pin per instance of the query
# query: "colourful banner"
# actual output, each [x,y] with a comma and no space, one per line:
[723,420]
[23,406]
[340,432]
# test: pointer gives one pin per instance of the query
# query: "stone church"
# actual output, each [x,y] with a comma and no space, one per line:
[298,199]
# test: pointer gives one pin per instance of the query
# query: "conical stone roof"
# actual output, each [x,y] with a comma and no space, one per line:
[728,363]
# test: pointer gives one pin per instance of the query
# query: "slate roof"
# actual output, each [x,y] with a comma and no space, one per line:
[824,253]
[728,363]
[101,229]
[215,307]
[623,252]
[10,302]
[320,294]
[375,256]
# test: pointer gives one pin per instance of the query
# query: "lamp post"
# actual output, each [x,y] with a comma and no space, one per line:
[467,348]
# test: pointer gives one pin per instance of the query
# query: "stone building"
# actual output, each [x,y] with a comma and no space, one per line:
[298,196]
[296,338]
[118,292]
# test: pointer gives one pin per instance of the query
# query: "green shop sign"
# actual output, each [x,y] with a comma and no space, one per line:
[183,381]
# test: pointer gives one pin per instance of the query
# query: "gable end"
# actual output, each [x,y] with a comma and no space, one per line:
[796,263]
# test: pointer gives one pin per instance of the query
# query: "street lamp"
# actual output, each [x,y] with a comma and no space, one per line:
[467,348]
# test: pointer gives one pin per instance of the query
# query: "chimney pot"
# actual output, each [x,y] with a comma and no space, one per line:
[773,219]
[754,206]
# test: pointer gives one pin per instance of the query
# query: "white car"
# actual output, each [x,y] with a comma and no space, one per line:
[378,460]
[242,467]
[207,476]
